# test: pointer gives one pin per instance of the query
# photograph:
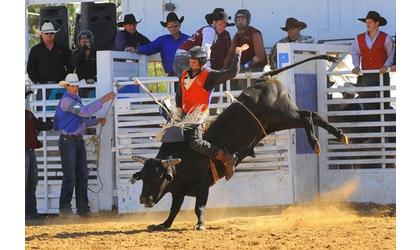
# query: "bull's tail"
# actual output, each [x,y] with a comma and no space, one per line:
[320,57]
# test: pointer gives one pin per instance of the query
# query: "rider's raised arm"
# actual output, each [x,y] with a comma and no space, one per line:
[216,77]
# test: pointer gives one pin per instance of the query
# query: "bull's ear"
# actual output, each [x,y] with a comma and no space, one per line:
[140,159]
[170,162]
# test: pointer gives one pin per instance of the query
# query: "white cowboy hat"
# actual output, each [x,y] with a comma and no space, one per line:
[47,27]
[348,88]
[71,80]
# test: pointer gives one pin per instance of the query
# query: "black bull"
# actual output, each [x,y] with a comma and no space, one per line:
[237,131]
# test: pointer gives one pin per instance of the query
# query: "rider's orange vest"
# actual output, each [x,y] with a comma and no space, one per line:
[196,94]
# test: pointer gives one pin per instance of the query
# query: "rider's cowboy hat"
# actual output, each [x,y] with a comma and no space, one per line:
[293,23]
[171,17]
[128,19]
[374,16]
[47,27]
[71,80]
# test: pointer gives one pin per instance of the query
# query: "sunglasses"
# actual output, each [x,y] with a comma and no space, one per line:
[173,26]
[49,34]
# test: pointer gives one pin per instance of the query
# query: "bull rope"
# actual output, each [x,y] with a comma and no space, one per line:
[249,111]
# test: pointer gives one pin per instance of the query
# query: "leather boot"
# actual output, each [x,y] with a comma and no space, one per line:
[228,160]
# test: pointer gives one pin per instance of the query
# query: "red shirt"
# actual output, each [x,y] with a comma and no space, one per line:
[32,126]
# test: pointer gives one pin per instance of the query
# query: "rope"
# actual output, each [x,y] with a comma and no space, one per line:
[95,140]
[249,111]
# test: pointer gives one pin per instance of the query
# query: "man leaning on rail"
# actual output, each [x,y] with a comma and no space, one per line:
[71,119]
[374,50]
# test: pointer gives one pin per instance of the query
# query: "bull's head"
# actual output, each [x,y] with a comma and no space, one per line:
[156,174]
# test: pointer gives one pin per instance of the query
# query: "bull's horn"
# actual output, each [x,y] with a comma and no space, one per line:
[170,162]
[140,159]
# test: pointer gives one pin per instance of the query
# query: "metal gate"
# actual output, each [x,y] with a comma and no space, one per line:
[368,162]
[263,180]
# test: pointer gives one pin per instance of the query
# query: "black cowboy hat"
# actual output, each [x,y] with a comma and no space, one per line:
[219,14]
[128,19]
[292,23]
[170,18]
[374,16]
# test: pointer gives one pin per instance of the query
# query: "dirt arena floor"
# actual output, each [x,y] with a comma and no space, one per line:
[313,226]
[321,224]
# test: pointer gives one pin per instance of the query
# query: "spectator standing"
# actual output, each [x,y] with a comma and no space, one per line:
[255,58]
[129,38]
[167,44]
[293,28]
[372,49]
[213,38]
[48,61]
[83,59]
[32,127]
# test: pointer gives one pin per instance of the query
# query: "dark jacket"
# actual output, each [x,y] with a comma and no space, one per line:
[85,66]
[125,39]
[45,65]
[32,127]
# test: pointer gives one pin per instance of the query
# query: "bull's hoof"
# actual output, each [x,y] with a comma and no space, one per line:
[160,227]
[317,148]
[344,139]
[200,227]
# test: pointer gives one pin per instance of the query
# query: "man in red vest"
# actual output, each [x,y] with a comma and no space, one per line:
[372,49]
[213,38]
[194,91]
[255,58]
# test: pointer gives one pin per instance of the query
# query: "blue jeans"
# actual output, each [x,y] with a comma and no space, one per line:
[31,181]
[75,174]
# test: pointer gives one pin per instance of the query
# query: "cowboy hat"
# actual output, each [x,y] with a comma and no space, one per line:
[71,80]
[47,27]
[128,19]
[219,14]
[292,23]
[171,17]
[28,92]
[374,16]
[348,88]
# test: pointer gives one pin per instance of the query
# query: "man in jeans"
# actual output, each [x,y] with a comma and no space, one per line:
[32,127]
[71,119]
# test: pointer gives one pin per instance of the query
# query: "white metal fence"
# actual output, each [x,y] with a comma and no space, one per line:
[369,160]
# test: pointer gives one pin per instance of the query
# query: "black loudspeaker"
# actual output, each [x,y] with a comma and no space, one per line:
[101,19]
[57,15]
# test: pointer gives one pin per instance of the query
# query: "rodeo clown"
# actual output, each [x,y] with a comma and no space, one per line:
[194,93]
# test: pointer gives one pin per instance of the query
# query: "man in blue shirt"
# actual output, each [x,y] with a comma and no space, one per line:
[71,119]
[166,44]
